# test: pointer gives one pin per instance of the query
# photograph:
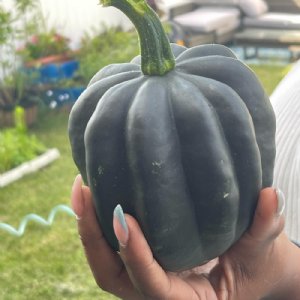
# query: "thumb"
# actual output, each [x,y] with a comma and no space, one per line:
[254,263]
[268,220]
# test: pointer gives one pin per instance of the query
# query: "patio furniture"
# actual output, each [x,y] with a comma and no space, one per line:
[257,14]
[262,28]
[273,20]
[205,23]
[212,21]
[272,38]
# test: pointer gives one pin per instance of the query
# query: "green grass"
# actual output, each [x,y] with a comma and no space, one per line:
[270,75]
[45,263]
[48,263]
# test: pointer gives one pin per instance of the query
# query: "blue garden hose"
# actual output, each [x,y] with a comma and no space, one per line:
[37,219]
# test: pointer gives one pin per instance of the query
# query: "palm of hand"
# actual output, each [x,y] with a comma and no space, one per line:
[134,274]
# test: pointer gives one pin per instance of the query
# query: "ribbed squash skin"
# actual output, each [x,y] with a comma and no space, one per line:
[186,153]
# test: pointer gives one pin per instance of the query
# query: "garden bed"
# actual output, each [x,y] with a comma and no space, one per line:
[29,167]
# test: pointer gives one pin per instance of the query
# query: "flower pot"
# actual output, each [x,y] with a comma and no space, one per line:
[51,59]
[7,116]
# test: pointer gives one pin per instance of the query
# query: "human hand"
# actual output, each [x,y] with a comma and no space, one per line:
[262,261]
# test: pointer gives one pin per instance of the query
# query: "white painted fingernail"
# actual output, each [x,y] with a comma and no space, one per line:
[280,202]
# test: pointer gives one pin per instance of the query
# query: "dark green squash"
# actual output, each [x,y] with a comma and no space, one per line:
[183,139]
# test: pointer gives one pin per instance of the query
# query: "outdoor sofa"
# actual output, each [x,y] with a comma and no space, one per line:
[263,28]
[257,14]
[205,21]
[212,21]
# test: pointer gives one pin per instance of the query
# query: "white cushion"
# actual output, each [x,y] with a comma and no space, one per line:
[208,19]
[167,4]
[274,20]
[217,2]
[253,8]
[230,26]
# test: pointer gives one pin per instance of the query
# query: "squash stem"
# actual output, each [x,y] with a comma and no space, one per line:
[156,53]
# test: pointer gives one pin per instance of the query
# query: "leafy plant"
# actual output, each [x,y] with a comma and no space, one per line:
[17,89]
[44,44]
[5,25]
[101,49]
[16,145]
[6,30]
[16,26]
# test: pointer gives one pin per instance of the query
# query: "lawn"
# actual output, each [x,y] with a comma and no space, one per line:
[45,263]
[48,262]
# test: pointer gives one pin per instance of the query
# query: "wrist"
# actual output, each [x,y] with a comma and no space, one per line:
[289,280]
[293,269]
[292,258]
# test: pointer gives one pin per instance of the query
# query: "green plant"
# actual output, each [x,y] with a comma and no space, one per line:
[25,273]
[5,25]
[15,26]
[16,145]
[17,88]
[183,139]
[44,44]
[100,49]
[6,30]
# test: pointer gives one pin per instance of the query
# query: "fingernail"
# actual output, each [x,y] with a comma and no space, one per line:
[280,202]
[77,198]
[120,226]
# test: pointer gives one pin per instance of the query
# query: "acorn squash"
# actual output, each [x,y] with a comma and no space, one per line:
[183,139]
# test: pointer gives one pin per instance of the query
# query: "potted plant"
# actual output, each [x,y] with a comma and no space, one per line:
[44,48]
[17,90]
[16,85]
